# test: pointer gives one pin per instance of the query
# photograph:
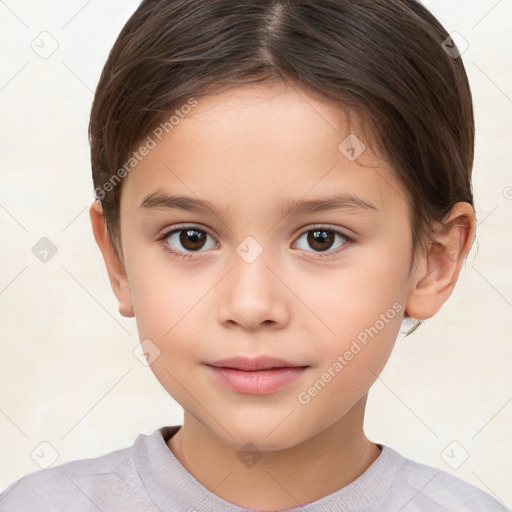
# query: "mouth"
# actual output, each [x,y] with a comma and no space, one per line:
[255,375]
[257,363]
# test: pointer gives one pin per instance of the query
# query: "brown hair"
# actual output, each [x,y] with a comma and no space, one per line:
[383,59]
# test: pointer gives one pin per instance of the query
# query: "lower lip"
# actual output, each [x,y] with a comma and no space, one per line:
[260,382]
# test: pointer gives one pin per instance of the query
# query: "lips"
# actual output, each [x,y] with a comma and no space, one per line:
[260,375]
[249,364]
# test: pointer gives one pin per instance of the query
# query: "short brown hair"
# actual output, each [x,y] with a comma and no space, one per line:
[383,59]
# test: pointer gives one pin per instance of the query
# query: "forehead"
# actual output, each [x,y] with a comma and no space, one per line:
[267,139]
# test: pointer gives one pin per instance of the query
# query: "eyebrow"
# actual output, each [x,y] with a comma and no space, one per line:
[342,201]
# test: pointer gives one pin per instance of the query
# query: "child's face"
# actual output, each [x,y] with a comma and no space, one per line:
[257,283]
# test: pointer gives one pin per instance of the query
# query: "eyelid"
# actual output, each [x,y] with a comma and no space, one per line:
[178,227]
[165,233]
[305,229]
[336,229]
[349,239]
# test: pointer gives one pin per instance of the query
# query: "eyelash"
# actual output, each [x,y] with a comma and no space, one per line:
[186,256]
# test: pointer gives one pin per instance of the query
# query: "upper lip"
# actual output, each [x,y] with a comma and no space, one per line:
[253,363]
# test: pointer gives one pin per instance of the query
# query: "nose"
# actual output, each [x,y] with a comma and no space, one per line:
[253,296]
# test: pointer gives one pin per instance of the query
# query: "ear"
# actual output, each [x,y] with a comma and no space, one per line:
[438,271]
[115,267]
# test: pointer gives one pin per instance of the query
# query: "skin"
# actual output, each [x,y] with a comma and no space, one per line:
[247,150]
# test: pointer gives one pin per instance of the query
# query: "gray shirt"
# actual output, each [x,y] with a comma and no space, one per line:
[147,477]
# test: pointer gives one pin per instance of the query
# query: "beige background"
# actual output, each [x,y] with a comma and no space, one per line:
[68,375]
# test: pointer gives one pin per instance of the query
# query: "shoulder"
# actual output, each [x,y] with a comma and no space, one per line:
[419,487]
[78,485]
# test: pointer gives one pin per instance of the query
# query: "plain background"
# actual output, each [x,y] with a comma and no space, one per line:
[68,374]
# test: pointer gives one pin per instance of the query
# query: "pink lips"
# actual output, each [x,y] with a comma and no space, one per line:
[257,375]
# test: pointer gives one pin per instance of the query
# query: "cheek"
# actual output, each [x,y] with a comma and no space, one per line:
[164,294]
[359,354]
[353,302]
[361,314]
[171,313]
[170,321]
[348,366]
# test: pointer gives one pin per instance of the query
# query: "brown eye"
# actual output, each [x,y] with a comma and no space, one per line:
[192,239]
[323,240]
[320,240]
[187,240]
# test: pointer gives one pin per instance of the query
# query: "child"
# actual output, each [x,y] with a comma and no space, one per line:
[280,183]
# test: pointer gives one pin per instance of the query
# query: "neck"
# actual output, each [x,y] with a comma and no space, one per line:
[291,477]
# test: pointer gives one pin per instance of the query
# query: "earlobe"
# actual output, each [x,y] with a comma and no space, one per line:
[436,277]
[115,267]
